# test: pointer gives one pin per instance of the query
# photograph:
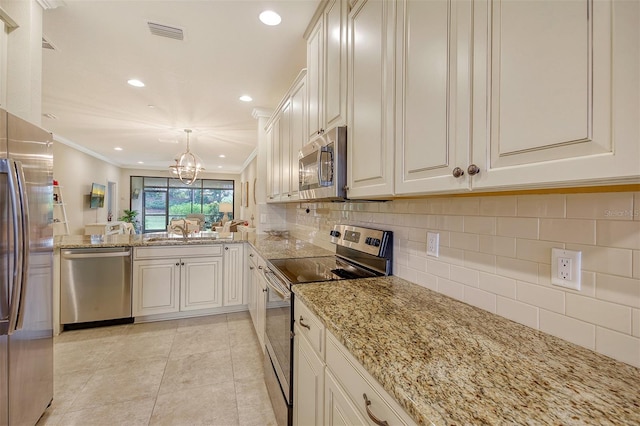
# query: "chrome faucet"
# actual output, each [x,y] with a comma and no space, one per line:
[183,229]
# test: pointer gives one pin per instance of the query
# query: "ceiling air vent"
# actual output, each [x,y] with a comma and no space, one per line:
[165,31]
[46,44]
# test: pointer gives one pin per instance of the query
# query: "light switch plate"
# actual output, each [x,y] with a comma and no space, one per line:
[565,268]
[433,244]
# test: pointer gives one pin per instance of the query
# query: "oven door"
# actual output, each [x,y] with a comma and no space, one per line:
[278,341]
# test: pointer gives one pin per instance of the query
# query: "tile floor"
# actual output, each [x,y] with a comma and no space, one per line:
[197,371]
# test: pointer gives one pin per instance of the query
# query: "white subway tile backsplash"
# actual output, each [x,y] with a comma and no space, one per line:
[543,297]
[480,225]
[464,241]
[535,250]
[522,270]
[575,331]
[517,311]
[495,254]
[619,346]
[451,289]
[598,312]
[501,246]
[568,230]
[518,227]
[440,269]
[621,290]
[466,276]
[498,206]
[480,261]
[605,260]
[481,299]
[550,205]
[613,206]
[498,285]
[623,234]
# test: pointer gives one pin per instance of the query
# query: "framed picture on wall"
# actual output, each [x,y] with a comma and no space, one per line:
[245,194]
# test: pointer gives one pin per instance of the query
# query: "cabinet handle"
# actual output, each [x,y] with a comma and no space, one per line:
[473,170]
[264,290]
[251,267]
[250,254]
[259,267]
[457,172]
[370,414]
[303,324]
[177,263]
[181,263]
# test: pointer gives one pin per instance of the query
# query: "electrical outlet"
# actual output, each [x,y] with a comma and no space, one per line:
[433,244]
[565,268]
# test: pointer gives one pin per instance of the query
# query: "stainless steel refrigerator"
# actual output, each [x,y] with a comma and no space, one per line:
[26,268]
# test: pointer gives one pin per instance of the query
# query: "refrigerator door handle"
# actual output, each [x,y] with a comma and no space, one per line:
[8,166]
[25,237]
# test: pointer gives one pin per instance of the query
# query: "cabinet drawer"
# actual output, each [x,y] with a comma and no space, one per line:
[159,252]
[253,256]
[309,326]
[358,382]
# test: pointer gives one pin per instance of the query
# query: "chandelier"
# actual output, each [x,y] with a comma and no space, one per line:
[188,165]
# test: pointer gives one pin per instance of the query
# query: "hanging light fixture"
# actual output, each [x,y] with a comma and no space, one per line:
[188,165]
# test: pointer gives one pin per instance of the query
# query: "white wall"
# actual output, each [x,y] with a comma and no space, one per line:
[75,171]
[495,254]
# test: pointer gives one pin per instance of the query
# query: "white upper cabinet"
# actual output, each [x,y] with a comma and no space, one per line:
[555,86]
[370,125]
[327,69]
[432,95]
[298,132]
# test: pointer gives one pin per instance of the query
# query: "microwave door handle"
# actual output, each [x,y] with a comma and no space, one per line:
[25,238]
[325,151]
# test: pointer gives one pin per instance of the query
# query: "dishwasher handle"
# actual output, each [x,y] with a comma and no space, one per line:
[100,254]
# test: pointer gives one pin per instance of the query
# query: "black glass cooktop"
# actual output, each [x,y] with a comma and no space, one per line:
[313,269]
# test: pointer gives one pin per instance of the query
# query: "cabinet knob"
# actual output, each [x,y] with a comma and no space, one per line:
[259,267]
[457,172]
[177,263]
[181,263]
[264,290]
[226,248]
[251,267]
[250,254]
[473,170]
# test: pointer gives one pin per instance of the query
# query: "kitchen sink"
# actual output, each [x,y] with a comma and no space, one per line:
[203,236]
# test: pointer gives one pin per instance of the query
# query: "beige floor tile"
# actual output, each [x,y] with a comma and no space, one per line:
[92,333]
[66,387]
[256,415]
[49,419]
[238,319]
[247,364]
[154,328]
[209,322]
[78,355]
[207,405]
[135,347]
[243,337]
[197,370]
[199,340]
[251,391]
[131,380]
[129,413]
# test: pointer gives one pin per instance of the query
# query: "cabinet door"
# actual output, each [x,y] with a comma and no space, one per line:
[338,409]
[308,384]
[285,151]
[335,64]
[156,286]
[269,161]
[201,285]
[298,134]
[314,80]
[261,309]
[551,92]
[233,274]
[275,170]
[432,95]
[252,297]
[370,110]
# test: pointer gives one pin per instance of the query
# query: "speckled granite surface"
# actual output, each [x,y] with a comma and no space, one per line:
[450,363]
[281,248]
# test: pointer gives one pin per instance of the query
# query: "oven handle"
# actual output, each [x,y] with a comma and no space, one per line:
[276,286]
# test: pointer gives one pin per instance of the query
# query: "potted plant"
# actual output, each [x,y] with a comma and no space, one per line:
[130,216]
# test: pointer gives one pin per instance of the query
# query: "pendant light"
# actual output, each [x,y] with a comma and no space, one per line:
[188,165]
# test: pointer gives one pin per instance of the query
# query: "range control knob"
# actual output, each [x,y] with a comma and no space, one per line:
[372,241]
[335,234]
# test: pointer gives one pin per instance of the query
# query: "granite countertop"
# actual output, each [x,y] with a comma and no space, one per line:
[447,362]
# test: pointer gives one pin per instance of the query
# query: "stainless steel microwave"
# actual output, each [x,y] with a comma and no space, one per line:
[323,167]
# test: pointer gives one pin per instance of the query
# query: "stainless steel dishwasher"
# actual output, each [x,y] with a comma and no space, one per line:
[95,284]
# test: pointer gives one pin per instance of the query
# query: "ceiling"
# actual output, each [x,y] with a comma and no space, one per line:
[194,83]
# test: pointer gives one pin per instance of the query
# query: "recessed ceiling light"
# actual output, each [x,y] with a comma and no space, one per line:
[246,98]
[151,106]
[219,167]
[50,116]
[222,156]
[269,17]
[140,162]
[117,148]
[135,83]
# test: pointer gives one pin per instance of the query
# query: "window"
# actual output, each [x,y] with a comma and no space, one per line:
[158,200]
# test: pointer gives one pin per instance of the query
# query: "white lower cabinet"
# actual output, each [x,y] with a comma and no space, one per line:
[186,280]
[257,298]
[329,384]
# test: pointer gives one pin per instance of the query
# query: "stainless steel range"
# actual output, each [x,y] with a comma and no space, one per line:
[360,253]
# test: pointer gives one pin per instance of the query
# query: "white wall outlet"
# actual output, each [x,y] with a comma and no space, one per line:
[433,244]
[565,268]
[263,218]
